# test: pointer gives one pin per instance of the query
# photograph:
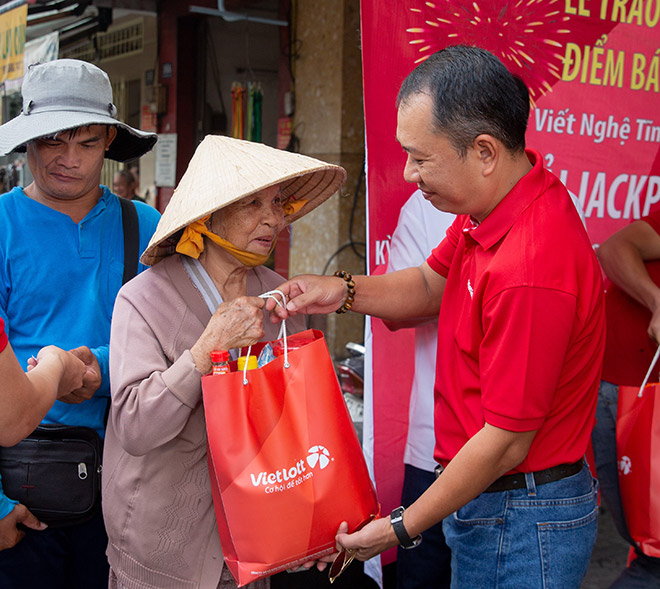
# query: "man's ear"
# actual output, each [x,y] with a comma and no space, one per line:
[112,133]
[487,149]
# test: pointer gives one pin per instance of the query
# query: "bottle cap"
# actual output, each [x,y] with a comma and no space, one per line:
[220,356]
[251,360]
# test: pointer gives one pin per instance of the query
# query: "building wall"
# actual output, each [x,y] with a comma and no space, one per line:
[329,120]
[131,72]
[242,52]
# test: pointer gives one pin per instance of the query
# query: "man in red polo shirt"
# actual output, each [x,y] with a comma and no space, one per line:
[631,260]
[520,338]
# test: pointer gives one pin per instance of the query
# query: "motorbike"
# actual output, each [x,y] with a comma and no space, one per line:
[350,373]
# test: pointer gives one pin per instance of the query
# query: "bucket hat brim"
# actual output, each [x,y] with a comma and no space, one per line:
[129,144]
[224,170]
[65,94]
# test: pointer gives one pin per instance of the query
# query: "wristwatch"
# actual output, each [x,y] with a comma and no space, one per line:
[396,519]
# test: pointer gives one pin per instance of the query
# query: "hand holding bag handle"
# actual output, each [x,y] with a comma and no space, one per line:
[282,335]
[638,460]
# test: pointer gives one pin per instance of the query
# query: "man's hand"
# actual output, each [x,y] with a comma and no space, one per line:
[654,326]
[10,535]
[321,563]
[91,378]
[309,294]
[71,373]
[374,538]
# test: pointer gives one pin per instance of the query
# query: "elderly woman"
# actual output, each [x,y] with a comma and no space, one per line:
[207,259]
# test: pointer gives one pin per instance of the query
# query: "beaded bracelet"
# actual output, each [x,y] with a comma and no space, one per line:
[350,297]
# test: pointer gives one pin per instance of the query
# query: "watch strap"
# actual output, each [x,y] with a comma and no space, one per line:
[396,519]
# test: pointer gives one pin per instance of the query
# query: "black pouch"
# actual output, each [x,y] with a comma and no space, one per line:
[56,473]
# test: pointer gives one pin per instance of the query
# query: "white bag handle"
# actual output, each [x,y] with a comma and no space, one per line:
[648,374]
[282,335]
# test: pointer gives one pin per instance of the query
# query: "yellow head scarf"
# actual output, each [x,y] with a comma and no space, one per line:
[191,242]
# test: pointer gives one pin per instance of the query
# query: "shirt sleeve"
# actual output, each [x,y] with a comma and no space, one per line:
[6,504]
[153,395]
[102,356]
[653,220]
[3,335]
[526,336]
[441,257]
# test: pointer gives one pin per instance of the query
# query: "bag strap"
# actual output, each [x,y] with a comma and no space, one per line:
[131,226]
[271,295]
[648,374]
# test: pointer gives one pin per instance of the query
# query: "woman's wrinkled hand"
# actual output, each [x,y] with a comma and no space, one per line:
[235,324]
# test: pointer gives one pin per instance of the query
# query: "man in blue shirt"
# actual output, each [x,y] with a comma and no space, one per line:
[61,266]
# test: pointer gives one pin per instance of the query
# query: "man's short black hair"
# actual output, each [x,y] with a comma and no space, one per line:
[473,93]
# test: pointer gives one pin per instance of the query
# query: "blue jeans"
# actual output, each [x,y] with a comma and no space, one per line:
[428,565]
[537,537]
[644,571]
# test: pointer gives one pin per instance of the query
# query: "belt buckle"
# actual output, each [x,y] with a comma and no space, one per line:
[439,469]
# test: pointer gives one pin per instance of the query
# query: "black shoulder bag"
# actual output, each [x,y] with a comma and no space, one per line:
[56,471]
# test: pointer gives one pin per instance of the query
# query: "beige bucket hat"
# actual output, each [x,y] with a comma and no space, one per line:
[224,170]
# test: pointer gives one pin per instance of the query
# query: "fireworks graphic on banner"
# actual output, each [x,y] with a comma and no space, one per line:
[527,35]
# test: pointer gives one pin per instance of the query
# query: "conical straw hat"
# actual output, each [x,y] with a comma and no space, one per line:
[224,170]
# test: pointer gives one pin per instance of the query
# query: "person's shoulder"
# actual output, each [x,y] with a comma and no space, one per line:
[11,195]
[14,205]
[145,209]
[147,216]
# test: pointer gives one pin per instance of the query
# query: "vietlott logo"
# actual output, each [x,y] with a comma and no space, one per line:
[318,458]
[625,465]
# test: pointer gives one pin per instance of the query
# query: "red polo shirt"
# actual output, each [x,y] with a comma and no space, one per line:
[522,327]
[3,335]
[629,348]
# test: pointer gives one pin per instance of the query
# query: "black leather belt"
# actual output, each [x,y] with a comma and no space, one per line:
[509,482]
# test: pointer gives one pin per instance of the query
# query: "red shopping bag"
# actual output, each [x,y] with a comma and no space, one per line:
[638,456]
[286,465]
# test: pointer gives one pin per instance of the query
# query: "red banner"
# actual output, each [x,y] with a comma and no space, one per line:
[593,70]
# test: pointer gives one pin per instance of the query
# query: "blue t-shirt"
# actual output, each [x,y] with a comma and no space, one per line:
[58,283]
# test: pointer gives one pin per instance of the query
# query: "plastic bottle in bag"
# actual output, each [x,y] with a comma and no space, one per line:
[220,362]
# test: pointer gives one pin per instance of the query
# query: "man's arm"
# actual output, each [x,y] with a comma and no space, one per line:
[622,257]
[488,455]
[25,399]
[413,293]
